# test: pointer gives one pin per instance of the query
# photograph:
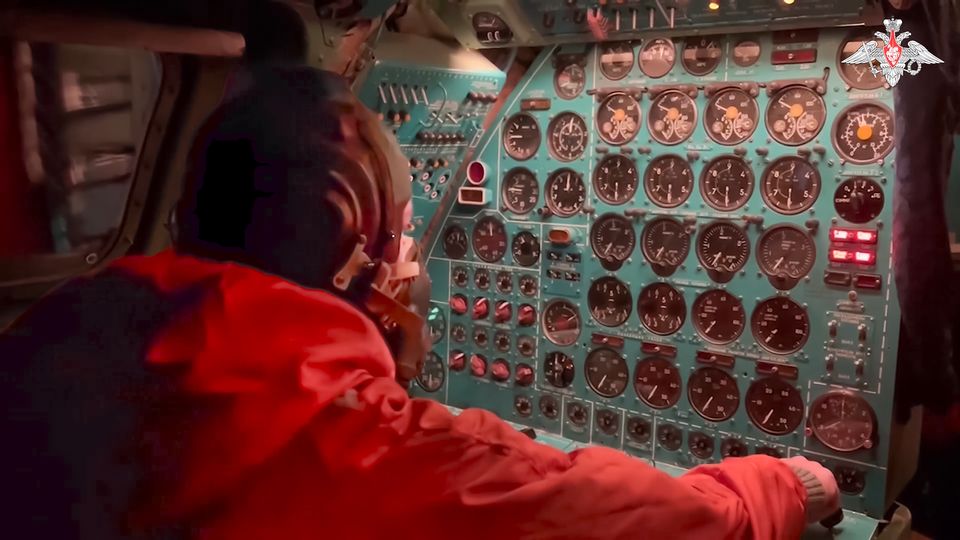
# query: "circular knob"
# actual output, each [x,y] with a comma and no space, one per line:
[457,360]
[478,365]
[396,116]
[527,315]
[502,312]
[503,342]
[415,163]
[482,280]
[523,405]
[442,162]
[458,304]
[524,375]
[481,308]
[501,370]
[504,282]
[473,96]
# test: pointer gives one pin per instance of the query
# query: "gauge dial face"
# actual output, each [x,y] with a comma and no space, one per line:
[665,243]
[567,136]
[719,316]
[565,192]
[669,437]
[561,322]
[713,393]
[610,301]
[549,406]
[460,276]
[732,447]
[668,181]
[558,369]
[723,247]
[526,248]
[615,179]
[726,183]
[612,239]
[433,373]
[859,76]
[607,372]
[701,445]
[616,59]
[437,323]
[850,480]
[657,382]
[795,115]
[490,29]
[672,117]
[780,325]
[608,421]
[455,242]
[731,117]
[701,55]
[528,285]
[504,282]
[843,421]
[864,133]
[618,118]
[458,333]
[569,81]
[489,239]
[786,251]
[858,200]
[520,191]
[657,57]
[662,309]
[790,185]
[482,279]
[521,136]
[774,405]
[746,53]
[638,429]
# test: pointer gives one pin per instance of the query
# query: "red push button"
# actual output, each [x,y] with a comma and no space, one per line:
[478,365]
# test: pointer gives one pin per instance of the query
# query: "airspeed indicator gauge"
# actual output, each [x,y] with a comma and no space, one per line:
[567,136]
[521,136]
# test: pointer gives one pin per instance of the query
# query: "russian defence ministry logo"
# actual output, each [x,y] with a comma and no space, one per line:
[887,55]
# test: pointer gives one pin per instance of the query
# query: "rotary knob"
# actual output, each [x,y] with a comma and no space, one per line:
[482,279]
[457,360]
[733,448]
[524,375]
[502,341]
[478,365]
[458,304]
[503,312]
[500,370]
[481,308]
[527,315]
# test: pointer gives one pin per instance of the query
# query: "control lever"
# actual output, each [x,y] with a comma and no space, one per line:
[529,432]
[833,519]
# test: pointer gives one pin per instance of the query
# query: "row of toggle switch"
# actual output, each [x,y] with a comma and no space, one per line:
[440,138]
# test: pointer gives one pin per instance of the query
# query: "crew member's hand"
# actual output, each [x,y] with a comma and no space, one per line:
[823,496]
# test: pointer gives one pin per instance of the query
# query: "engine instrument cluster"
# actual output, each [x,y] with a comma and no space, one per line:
[682,250]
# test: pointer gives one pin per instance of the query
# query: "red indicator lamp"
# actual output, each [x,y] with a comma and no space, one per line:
[477,173]
[865,257]
[841,255]
[853,235]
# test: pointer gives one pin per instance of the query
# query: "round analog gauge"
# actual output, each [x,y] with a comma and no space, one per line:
[482,279]
[607,372]
[549,406]
[864,133]
[521,136]
[774,405]
[437,323]
[616,59]
[668,181]
[490,29]
[561,322]
[460,276]
[790,185]
[670,437]
[719,316]
[657,382]
[565,192]
[746,53]
[850,480]
[726,183]
[786,251]
[520,191]
[558,369]
[701,445]
[567,136]
[731,116]
[455,243]
[504,282]
[569,81]
[723,247]
[701,55]
[713,393]
[780,325]
[665,243]
[672,117]
[618,118]
[860,76]
[489,239]
[527,285]
[638,429]
[843,421]
[526,248]
[662,308]
[657,57]
[615,179]
[433,373]
[612,238]
[858,200]
[610,301]
[795,115]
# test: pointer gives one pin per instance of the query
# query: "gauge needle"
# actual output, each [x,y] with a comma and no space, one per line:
[789,197]
[716,259]
[654,391]
[726,196]
[767,417]
[707,404]
[776,266]
[607,251]
[772,333]
[516,136]
[710,327]
[568,183]
[659,253]
[670,193]
[601,381]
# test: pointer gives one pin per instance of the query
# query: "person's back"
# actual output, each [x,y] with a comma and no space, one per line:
[185,395]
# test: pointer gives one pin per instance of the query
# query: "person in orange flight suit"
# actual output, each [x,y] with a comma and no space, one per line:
[244,385]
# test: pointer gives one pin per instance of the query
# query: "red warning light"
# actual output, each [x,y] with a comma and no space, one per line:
[867,237]
[841,255]
[853,235]
[840,235]
[477,173]
[865,257]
